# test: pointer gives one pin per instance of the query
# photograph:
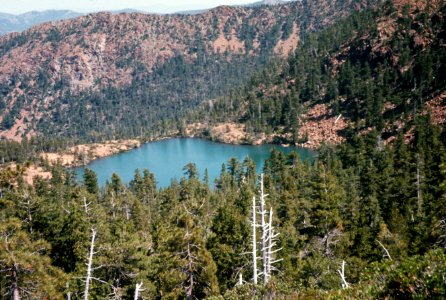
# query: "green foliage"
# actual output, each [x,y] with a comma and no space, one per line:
[355,203]
[25,264]
[91,181]
[345,67]
[54,35]
[229,234]
[378,208]
[417,277]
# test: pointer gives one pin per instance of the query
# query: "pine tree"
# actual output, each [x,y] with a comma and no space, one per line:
[25,265]
[91,181]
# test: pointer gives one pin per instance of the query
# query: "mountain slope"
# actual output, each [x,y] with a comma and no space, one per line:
[105,74]
[377,70]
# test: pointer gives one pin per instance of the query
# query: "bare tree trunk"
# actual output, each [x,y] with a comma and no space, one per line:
[68,291]
[15,283]
[190,288]
[267,239]
[89,264]
[112,202]
[341,272]
[240,279]
[264,228]
[137,290]
[270,242]
[86,206]
[260,110]
[254,241]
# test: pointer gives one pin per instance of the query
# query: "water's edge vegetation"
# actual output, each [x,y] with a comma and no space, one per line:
[165,158]
[377,209]
[365,220]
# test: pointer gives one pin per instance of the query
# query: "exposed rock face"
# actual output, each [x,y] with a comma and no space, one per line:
[437,109]
[320,126]
[41,66]
[229,133]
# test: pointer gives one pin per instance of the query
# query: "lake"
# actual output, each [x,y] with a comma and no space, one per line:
[167,158]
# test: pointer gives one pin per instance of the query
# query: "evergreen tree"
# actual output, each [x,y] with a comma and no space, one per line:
[91,181]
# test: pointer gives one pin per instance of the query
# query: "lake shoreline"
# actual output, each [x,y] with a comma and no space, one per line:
[167,158]
[84,154]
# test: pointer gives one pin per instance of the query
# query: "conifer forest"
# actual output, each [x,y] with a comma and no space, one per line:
[364,219]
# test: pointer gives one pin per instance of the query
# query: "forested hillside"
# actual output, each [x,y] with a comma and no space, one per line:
[376,70]
[105,75]
[365,220]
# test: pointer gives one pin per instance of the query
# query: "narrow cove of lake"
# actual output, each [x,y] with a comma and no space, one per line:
[167,158]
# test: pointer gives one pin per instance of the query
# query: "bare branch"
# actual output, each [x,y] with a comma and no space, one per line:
[385,250]
[341,272]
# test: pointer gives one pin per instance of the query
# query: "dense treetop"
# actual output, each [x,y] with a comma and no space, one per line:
[373,204]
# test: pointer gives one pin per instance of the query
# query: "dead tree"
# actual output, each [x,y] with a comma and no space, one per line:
[240,279]
[341,272]
[113,204]
[441,229]
[89,264]
[254,241]
[192,249]
[264,229]
[190,265]
[86,206]
[385,250]
[267,239]
[138,289]
[330,240]
[67,285]
[270,251]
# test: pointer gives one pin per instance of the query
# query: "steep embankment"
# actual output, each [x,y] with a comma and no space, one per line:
[105,75]
[377,70]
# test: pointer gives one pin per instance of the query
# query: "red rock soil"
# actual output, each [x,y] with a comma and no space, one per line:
[320,126]
[83,154]
[437,108]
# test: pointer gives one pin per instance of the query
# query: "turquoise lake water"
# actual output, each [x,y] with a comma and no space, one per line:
[167,158]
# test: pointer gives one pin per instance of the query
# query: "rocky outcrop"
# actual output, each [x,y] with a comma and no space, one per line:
[320,126]
[437,108]
[229,133]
